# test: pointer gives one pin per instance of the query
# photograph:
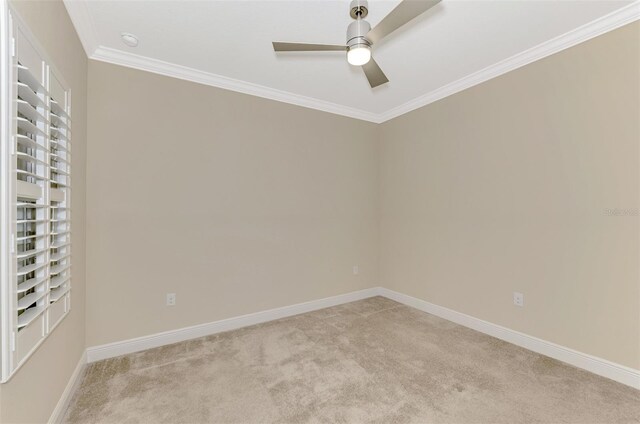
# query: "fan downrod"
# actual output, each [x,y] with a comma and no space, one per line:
[359,9]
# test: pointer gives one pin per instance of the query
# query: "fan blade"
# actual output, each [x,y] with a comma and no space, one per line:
[403,13]
[303,47]
[374,74]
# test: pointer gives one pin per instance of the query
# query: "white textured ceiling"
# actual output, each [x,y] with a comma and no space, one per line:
[232,39]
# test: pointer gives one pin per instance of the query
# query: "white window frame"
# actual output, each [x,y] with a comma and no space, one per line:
[56,185]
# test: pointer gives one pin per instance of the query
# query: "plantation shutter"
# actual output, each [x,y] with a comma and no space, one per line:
[39,201]
[32,212]
[59,200]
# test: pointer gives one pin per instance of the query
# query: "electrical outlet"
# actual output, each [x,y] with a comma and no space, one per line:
[518,299]
[356,270]
[171,299]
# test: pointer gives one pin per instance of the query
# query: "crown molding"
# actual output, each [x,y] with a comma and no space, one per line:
[81,18]
[156,66]
[600,26]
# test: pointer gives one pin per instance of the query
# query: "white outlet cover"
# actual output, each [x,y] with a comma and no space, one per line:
[356,270]
[518,299]
[171,299]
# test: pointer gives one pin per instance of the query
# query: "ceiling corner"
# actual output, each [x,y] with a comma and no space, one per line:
[610,22]
[100,50]
[156,66]
[79,14]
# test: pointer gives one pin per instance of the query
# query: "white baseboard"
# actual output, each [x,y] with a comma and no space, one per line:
[61,408]
[599,366]
[124,347]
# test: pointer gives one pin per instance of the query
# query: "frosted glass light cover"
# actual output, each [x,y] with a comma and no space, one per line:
[359,55]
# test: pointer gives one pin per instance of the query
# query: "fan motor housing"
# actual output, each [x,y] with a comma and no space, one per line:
[356,33]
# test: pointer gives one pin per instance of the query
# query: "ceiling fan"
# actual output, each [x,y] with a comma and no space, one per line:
[360,36]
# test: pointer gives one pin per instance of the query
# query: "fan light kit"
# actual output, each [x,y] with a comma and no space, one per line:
[359,56]
[360,36]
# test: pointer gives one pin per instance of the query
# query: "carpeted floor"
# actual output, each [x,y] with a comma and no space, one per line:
[372,361]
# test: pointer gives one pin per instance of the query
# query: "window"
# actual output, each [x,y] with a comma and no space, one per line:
[35,292]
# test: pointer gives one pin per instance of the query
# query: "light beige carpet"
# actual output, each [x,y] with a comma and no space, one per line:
[372,361]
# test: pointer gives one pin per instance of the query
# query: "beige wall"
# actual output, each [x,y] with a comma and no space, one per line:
[236,203]
[45,375]
[503,188]
[250,204]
